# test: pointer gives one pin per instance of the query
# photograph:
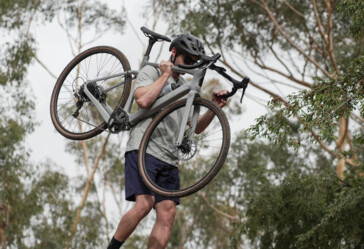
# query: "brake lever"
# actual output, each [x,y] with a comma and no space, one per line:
[244,84]
[236,84]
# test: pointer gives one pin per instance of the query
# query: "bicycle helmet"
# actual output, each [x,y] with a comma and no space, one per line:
[188,44]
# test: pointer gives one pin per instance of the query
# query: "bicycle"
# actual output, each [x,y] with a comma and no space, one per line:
[92,95]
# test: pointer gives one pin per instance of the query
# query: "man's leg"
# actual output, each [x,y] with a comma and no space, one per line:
[128,223]
[166,211]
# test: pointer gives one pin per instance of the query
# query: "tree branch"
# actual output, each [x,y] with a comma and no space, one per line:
[294,9]
[343,131]
[281,31]
[2,237]
[230,217]
[330,45]
[45,67]
[303,83]
[104,212]
[358,119]
[84,151]
[264,75]
[68,34]
[279,59]
[118,204]
[85,193]
[318,21]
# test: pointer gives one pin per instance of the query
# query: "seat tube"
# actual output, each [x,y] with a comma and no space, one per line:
[186,115]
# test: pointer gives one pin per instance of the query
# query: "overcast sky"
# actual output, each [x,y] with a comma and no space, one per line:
[55,52]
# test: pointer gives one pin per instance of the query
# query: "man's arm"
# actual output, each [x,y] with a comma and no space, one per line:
[145,96]
[204,121]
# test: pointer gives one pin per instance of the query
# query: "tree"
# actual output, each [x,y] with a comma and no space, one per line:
[287,43]
[36,207]
[289,197]
[307,210]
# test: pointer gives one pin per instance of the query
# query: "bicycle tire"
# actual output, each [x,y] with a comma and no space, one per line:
[192,178]
[93,63]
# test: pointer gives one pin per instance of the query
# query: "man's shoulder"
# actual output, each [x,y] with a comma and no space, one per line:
[149,70]
[147,75]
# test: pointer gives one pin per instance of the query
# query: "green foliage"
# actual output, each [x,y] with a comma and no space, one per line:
[318,109]
[16,13]
[342,224]
[16,17]
[289,199]
[354,9]
[306,211]
[245,27]
[250,168]
[96,16]
[15,61]
[281,212]
[286,198]
[37,202]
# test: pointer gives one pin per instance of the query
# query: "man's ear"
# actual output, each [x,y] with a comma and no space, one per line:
[173,55]
[174,52]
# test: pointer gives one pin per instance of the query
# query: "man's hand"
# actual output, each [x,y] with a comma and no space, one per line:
[166,67]
[217,99]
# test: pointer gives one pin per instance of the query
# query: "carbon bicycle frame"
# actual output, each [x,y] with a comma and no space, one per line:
[192,88]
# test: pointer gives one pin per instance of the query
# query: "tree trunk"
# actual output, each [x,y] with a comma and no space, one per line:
[3,238]
[85,193]
[341,143]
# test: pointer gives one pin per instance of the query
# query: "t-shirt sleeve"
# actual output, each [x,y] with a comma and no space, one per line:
[146,76]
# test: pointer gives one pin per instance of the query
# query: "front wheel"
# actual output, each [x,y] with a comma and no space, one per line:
[72,113]
[200,156]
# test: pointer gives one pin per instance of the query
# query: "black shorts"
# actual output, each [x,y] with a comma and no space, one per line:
[163,174]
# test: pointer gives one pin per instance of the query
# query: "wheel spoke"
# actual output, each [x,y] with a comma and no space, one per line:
[91,64]
[199,159]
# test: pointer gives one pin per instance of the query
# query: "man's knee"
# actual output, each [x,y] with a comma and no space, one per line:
[166,211]
[143,204]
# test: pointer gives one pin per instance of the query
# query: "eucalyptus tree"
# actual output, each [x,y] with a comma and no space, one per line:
[287,44]
[37,201]
[310,53]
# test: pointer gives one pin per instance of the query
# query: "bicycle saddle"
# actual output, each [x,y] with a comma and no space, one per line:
[153,35]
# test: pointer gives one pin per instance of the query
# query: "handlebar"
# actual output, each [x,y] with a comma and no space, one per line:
[236,84]
[204,59]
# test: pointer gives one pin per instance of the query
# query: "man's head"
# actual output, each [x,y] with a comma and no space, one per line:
[186,49]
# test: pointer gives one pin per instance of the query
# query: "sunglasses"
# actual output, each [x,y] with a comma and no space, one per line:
[188,60]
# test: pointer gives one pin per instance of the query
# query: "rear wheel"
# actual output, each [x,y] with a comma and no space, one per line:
[199,157]
[72,113]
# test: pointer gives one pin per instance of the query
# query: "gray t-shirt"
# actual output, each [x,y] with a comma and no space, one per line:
[162,144]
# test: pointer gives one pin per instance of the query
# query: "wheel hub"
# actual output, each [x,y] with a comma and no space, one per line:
[96,90]
[188,148]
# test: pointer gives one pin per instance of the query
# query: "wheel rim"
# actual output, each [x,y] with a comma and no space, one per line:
[201,158]
[70,94]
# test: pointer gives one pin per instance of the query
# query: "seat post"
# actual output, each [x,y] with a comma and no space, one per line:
[149,49]
[150,45]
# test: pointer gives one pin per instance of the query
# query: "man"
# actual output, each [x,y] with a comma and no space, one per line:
[185,49]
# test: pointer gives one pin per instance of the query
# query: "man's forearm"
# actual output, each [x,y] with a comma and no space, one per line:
[204,121]
[145,96]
